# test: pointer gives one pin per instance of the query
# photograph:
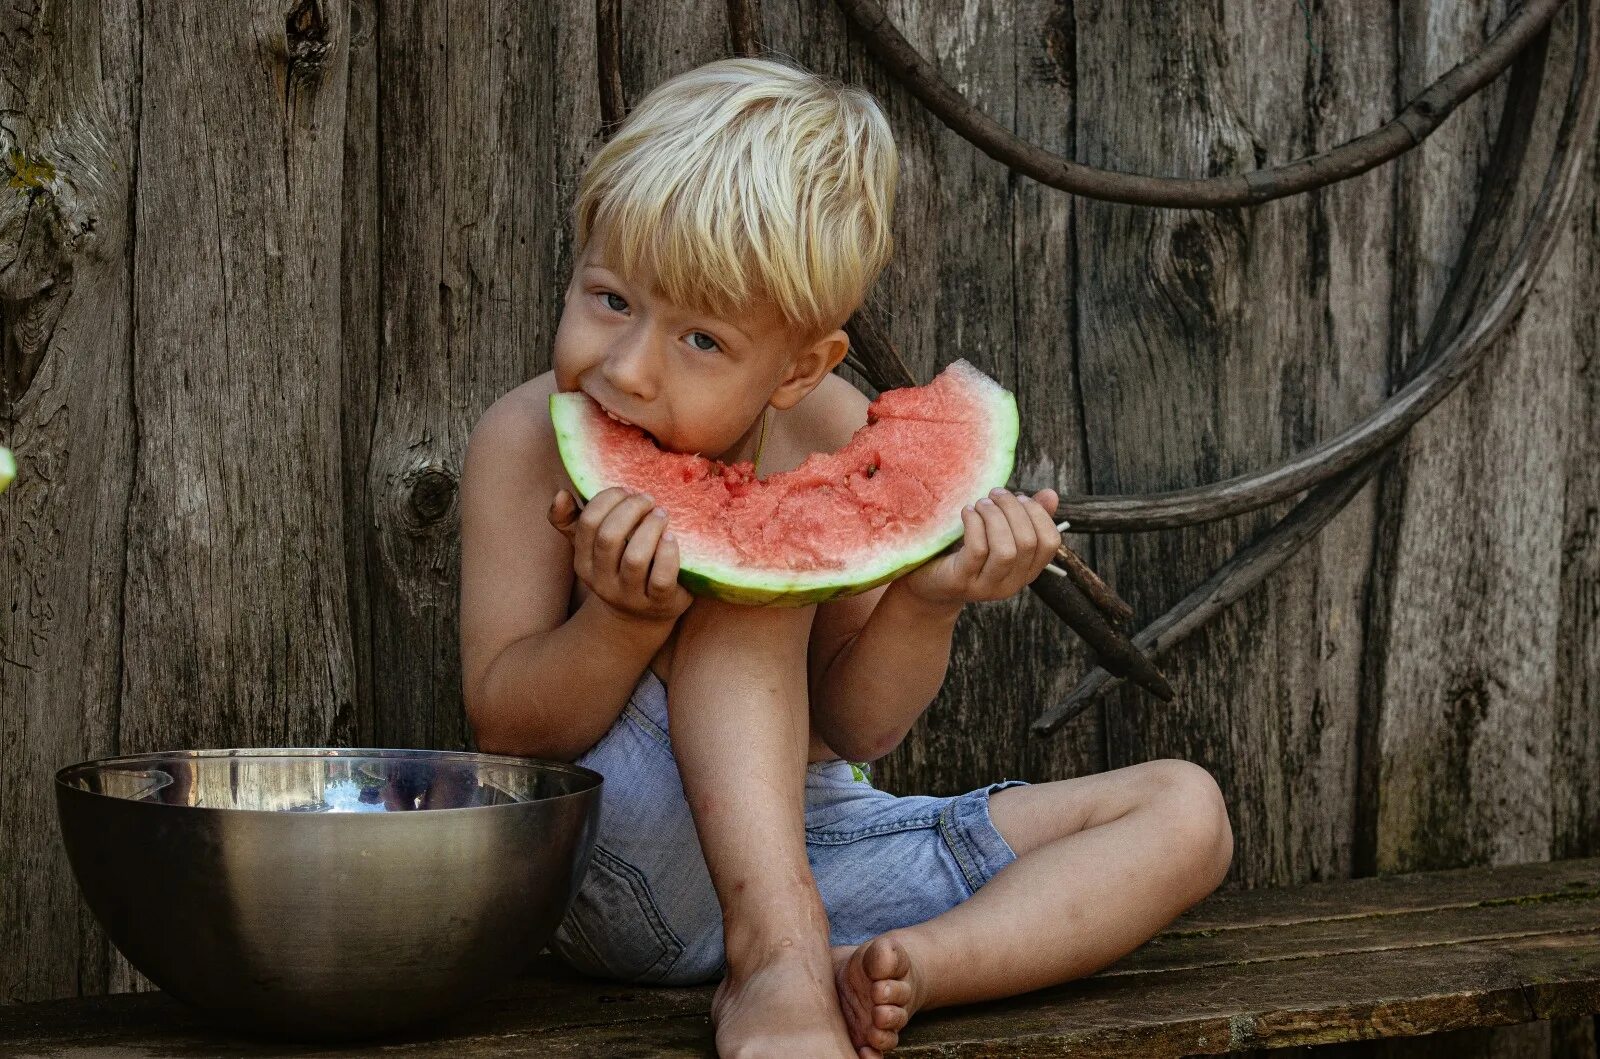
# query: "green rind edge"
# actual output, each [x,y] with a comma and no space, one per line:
[567,412]
[8,468]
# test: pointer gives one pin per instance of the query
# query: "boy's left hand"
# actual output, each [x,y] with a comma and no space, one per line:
[1009,539]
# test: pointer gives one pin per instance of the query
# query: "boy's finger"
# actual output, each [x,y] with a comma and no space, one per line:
[563,513]
[1048,499]
[974,545]
[594,513]
[635,565]
[619,524]
[1002,549]
[1044,528]
[1022,531]
[664,571]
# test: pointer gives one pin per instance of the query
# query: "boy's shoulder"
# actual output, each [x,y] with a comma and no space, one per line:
[528,403]
[518,424]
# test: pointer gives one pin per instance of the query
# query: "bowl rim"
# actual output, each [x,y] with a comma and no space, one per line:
[62,783]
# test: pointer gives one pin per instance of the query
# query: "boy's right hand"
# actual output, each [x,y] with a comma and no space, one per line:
[622,551]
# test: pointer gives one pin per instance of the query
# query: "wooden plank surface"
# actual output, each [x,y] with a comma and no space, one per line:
[69,99]
[1466,722]
[466,287]
[1575,770]
[235,621]
[1316,965]
[1211,343]
[1462,731]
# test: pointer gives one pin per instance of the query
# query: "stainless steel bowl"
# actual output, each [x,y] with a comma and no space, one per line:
[328,893]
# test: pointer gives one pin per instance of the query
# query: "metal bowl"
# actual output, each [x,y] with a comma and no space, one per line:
[328,893]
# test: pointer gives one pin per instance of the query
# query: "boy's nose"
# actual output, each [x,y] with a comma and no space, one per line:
[630,365]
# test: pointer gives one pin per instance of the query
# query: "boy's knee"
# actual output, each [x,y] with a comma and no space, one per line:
[1194,811]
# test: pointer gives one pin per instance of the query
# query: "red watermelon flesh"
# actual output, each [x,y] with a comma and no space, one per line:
[839,523]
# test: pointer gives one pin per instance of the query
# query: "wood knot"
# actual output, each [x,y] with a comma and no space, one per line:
[432,493]
[305,30]
[1195,257]
[1060,59]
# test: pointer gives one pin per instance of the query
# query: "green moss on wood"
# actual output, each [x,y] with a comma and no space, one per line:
[1587,894]
[29,174]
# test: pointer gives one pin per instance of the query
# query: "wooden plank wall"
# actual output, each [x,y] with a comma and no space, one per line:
[307,243]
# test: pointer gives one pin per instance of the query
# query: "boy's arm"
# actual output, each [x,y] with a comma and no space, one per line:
[537,682]
[877,661]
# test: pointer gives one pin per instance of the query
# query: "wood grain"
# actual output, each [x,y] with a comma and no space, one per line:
[1490,456]
[1187,378]
[69,98]
[1575,731]
[466,287]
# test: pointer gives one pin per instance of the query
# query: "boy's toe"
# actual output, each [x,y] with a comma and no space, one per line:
[883,1040]
[891,991]
[891,1017]
[887,958]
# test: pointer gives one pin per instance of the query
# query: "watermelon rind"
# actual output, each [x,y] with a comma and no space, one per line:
[8,467]
[754,587]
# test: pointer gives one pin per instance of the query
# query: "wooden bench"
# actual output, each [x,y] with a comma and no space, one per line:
[1343,961]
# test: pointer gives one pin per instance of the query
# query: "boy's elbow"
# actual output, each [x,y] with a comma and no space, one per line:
[488,736]
[507,743]
[865,745]
[882,748]
[493,733]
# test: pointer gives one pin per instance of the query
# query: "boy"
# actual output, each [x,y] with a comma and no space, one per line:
[734,222]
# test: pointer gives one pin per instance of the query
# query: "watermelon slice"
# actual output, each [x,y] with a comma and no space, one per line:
[840,523]
[8,468]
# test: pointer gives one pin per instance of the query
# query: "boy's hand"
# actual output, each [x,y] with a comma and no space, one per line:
[621,550]
[1009,539]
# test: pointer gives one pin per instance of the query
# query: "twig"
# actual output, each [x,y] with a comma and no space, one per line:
[1100,594]
[1113,650]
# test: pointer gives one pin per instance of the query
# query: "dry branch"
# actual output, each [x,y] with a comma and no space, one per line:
[1102,595]
[1410,127]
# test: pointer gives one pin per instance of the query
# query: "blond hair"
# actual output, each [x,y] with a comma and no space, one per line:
[745,180]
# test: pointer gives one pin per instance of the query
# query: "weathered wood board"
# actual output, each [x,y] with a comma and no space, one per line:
[1330,962]
[1176,340]
[66,331]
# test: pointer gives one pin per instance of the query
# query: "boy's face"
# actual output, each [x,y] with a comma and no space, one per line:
[696,383]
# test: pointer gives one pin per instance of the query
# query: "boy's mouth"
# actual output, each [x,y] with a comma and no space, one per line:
[630,423]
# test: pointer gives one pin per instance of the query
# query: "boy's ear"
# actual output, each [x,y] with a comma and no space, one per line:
[809,367]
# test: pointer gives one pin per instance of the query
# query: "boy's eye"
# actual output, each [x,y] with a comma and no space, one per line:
[617,303]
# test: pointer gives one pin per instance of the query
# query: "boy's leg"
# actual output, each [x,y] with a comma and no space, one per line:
[1103,862]
[737,709]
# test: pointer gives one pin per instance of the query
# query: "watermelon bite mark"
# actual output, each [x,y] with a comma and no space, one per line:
[840,523]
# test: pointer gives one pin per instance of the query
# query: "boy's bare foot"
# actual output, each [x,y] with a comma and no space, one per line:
[879,991]
[780,1009]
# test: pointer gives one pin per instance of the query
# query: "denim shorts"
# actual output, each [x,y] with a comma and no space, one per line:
[646,911]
